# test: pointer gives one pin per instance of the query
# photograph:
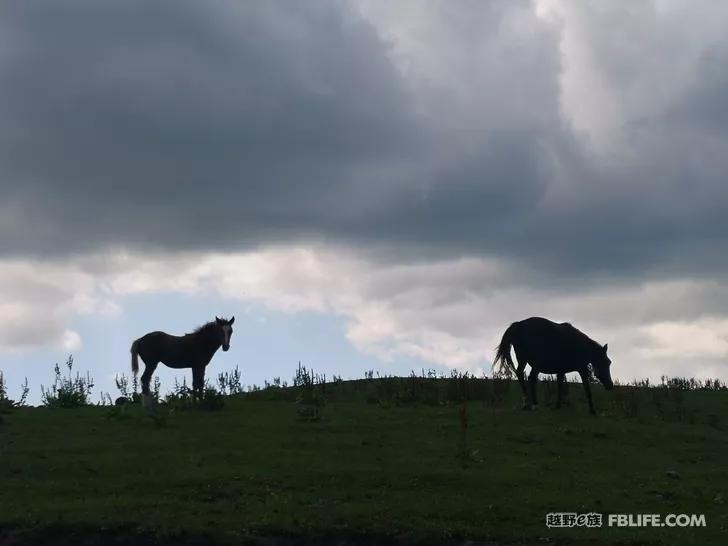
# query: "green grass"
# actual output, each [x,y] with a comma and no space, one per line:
[257,468]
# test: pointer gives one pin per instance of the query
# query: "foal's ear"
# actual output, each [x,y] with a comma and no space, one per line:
[217,320]
[605,347]
[230,322]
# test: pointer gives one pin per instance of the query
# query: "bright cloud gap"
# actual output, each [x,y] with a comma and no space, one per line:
[449,312]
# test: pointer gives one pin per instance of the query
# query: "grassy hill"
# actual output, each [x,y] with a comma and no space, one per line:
[371,460]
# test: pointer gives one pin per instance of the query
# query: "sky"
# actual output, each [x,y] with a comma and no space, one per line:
[368,184]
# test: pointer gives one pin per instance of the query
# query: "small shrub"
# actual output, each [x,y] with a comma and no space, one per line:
[625,401]
[180,397]
[185,398]
[276,384]
[677,398]
[454,392]
[501,384]
[130,389]
[669,402]
[548,391]
[6,403]
[488,393]
[67,392]
[668,397]
[310,396]
[371,394]
[211,399]
[122,384]
[659,400]
[714,385]
[230,382]
[430,395]
[156,389]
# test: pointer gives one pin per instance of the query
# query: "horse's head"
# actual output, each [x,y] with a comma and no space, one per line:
[226,331]
[600,364]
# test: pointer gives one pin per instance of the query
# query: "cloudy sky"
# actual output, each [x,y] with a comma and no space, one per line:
[365,184]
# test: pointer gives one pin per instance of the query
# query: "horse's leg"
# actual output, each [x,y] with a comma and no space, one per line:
[146,379]
[532,380]
[521,374]
[561,384]
[198,380]
[520,369]
[585,379]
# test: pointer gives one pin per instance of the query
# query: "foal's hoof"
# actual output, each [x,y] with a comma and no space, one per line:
[148,403]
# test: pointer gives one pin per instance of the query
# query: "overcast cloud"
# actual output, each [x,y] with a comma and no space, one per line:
[430,171]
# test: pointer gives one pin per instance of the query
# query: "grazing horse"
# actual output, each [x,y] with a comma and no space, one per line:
[552,348]
[193,350]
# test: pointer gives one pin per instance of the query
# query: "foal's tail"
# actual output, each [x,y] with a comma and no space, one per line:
[503,352]
[135,357]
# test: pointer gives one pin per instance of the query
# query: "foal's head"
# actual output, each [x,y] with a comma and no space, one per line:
[225,328]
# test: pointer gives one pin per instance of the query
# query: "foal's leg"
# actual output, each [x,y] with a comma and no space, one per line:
[585,379]
[198,380]
[532,380]
[561,384]
[146,378]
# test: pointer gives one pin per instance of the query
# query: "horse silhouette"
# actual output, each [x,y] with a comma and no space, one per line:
[552,348]
[193,350]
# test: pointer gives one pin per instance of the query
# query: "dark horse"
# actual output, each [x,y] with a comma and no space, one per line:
[549,347]
[193,350]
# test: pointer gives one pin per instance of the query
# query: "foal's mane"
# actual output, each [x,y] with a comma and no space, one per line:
[205,328]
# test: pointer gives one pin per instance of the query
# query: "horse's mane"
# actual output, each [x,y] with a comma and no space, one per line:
[580,336]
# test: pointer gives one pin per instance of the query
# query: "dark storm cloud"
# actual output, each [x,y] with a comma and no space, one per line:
[188,124]
[224,125]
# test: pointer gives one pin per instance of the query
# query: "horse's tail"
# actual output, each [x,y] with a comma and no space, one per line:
[135,357]
[503,353]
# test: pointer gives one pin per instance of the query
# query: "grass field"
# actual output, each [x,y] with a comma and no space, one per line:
[366,468]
